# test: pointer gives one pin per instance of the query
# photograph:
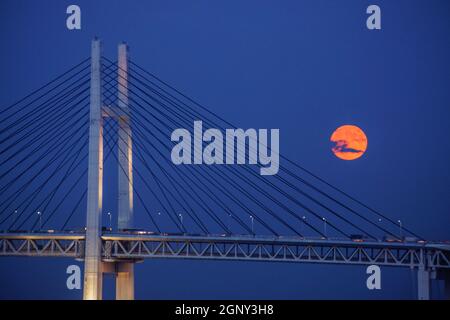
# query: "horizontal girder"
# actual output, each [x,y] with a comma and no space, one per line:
[117,247]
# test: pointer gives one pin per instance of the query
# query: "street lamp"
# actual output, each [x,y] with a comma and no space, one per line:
[324,226]
[40,219]
[110,221]
[14,218]
[253,224]
[401,228]
[303,225]
[181,220]
[159,214]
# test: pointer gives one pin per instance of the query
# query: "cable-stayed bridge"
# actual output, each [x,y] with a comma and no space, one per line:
[102,129]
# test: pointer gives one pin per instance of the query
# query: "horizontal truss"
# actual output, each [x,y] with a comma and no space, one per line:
[116,247]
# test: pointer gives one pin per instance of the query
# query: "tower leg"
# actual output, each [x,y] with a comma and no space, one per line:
[92,266]
[125,270]
[423,284]
[124,281]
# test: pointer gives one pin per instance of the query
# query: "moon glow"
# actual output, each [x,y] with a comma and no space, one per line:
[349,142]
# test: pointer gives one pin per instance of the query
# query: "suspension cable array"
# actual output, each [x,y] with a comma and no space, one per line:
[44,151]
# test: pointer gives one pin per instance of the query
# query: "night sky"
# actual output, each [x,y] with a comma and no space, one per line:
[305,67]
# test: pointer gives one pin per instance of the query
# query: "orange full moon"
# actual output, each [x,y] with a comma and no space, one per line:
[349,142]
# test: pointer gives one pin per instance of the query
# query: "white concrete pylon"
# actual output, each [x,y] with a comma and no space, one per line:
[125,168]
[92,289]
[124,270]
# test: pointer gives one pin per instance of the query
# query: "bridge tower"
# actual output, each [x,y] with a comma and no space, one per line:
[92,289]
[94,267]
[124,270]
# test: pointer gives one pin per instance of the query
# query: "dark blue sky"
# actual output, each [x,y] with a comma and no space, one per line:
[305,67]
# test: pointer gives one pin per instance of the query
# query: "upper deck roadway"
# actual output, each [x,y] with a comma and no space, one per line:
[143,245]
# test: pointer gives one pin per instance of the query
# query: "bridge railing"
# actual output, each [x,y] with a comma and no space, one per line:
[42,245]
[281,250]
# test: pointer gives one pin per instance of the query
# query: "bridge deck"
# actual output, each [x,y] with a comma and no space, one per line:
[122,246]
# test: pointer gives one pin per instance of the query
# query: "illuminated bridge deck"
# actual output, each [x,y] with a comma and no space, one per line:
[120,246]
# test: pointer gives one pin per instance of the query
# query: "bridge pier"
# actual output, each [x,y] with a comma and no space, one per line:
[124,276]
[124,281]
[446,278]
[423,283]
[444,275]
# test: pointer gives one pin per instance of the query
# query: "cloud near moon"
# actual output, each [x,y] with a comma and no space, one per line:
[349,142]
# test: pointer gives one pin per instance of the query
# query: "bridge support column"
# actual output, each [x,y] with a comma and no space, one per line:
[124,281]
[125,270]
[93,276]
[447,286]
[444,275]
[423,284]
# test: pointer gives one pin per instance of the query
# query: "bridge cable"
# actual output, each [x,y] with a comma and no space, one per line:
[271,212]
[77,204]
[62,129]
[49,151]
[306,195]
[44,154]
[51,124]
[180,228]
[36,192]
[73,166]
[59,152]
[134,189]
[73,186]
[150,104]
[251,213]
[44,105]
[156,179]
[273,199]
[48,108]
[244,207]
[333,212]
[316,189]
[290,161]
[233,199]
[196,219]
[190,212]
[39,89]
[175,187]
